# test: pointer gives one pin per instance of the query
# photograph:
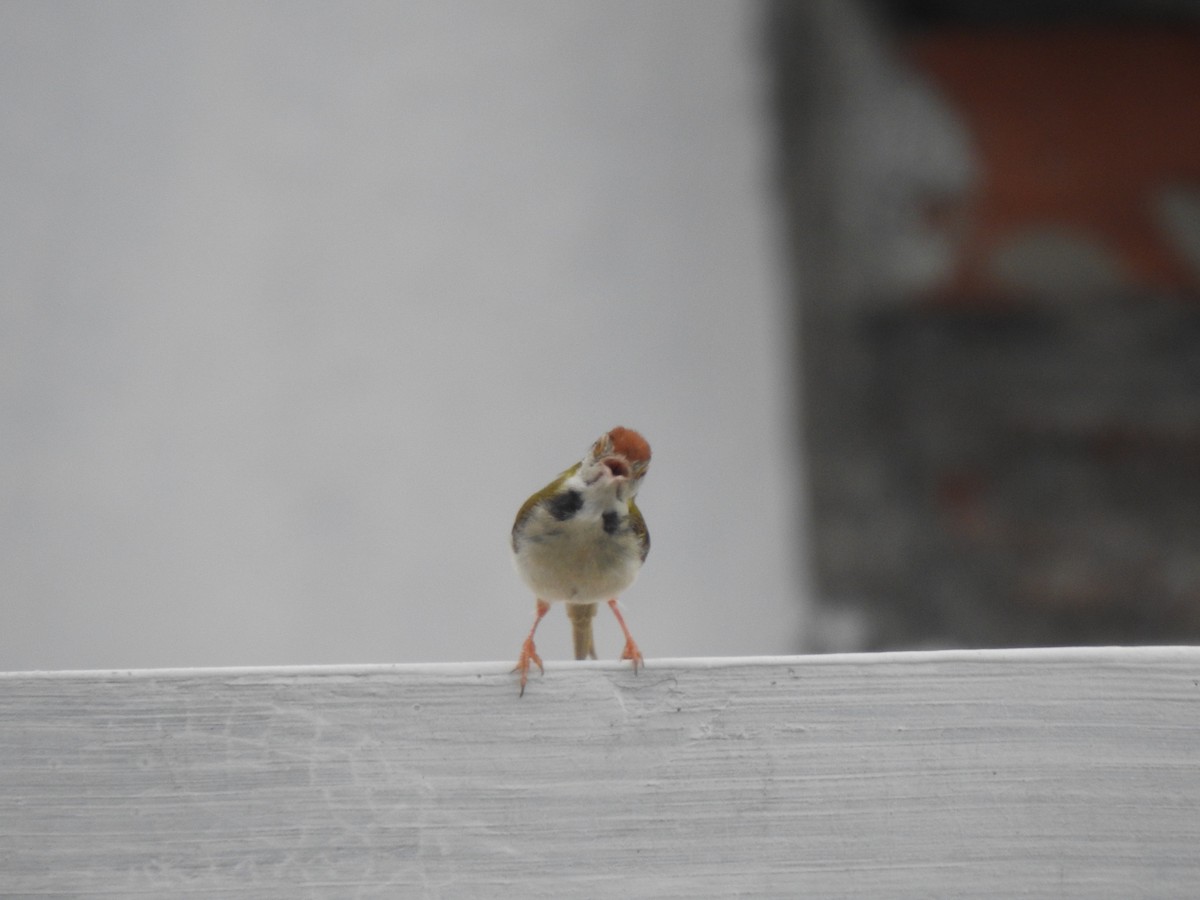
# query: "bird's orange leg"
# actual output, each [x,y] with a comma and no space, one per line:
[631,651]
[528,651]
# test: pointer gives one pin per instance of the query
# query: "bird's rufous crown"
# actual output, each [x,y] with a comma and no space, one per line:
[629,444]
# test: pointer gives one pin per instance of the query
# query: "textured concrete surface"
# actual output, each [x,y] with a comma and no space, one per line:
[974,774]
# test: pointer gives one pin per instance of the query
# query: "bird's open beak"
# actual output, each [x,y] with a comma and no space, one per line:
[613,468]
[617,466]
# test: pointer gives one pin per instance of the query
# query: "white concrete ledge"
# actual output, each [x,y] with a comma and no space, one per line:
[1032,773]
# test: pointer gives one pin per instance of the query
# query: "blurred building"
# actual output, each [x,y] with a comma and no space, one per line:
[995,228]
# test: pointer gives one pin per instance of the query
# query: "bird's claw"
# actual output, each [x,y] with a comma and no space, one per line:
[633,654]
[528,655]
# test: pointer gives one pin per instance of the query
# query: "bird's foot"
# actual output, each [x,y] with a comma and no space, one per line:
[528,655]
[631,651]
[633,654]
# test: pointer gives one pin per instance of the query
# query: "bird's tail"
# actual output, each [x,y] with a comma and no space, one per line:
[581,615]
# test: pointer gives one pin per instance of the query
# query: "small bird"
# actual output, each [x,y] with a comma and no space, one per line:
[581,539]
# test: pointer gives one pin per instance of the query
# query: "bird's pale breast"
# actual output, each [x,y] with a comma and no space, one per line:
[582,559]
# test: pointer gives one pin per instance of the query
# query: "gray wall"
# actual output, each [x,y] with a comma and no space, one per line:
[298,302]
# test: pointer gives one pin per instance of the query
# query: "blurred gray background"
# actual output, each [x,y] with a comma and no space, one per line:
[301,300]
[298,302]
[994,239]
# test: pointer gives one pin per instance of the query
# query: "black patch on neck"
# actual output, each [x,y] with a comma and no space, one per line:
[565,505]
[612,522]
